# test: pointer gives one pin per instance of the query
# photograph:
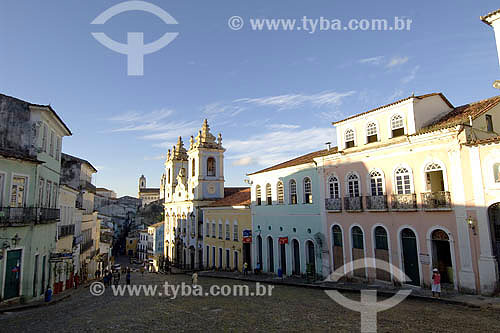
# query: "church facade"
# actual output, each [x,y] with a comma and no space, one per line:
[147,195]
[194,178]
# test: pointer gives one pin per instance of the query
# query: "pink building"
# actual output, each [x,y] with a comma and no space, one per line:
[400,189]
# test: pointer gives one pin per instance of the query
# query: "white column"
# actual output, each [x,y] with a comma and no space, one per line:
[466,273]
[326,270]
[488,272]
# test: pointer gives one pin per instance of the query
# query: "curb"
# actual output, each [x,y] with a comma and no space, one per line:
[33,306]
[350,290]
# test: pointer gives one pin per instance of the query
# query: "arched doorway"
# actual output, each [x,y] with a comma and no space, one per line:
[358,250]
[383,271]
[296,257]
[338,249]
[441,255]
[494,217]
[311,257]
[270,254]
[282,252]
[259,250]
[410,256]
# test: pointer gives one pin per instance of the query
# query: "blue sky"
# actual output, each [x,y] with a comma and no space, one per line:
[273,95]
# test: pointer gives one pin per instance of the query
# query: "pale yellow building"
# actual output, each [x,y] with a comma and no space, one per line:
[228,229]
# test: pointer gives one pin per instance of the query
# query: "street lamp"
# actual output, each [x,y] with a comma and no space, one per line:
[471,223]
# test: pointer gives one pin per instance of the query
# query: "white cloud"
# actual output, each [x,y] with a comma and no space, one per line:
[215,109]
[411,76]
[243,161]
[398,93]
[155,158]
[135,121]
[372,61]
[291,101]
[282,126]
[397,61]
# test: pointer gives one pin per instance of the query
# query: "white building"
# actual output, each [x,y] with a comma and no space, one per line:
[493,20]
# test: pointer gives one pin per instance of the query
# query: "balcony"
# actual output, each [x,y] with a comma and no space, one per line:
[28,215]
[353,204]
[404,202]
[435,201]
[333,204]
[376,203]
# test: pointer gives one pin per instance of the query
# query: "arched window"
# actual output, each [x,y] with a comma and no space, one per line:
[193,167]
[293,192]
[349,138]
[307,191]
[258,195]
[281,192]
[235,231]
[228,231]
[403,181]
[381,241]
[208,229]
[211,166]
[269,198]
[397,126]
[353,185]
[220,229]
[434,178]
[357,238]
[371,132]
[334,187]
[376,183]
[213,229]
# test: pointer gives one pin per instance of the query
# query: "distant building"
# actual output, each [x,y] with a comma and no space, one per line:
[147,195]
[155,243]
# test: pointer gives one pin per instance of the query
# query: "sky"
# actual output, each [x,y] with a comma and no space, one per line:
[272,94]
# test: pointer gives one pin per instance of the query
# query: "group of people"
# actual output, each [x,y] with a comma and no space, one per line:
[114,276]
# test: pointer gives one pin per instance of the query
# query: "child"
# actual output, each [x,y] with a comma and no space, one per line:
[436,283]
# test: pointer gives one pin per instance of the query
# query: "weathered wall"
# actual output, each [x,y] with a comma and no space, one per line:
[16,130]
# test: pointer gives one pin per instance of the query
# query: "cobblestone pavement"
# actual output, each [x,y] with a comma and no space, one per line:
[289,308]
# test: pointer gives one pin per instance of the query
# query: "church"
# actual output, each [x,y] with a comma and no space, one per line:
[194,178]
[147,195]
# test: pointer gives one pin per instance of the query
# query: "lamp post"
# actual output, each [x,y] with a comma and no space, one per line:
[471,223]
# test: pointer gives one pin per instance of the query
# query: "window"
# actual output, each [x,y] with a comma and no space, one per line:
[228,230]
[44,138]
[220,229]
[208,229]
[193,227]
[235,231]
[337,236]
[258,195]
[48,189]
[52,143]
[403,181]
[58,149]
[349,138]
[496,172]
[353,185]
[381,241]
[307,191]
[489,123]
[213,229]
[193,167]
[293,192]
[280,192]
[334,187]
[269,198]
[18,191]
[168,172]
[2,184]
[376,183]
[397,126]
[357,238]
[211,167]
[371,133]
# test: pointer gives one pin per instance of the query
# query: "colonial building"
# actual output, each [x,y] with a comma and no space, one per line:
[287,226]
[405,187]
[194,179]
[228,232]
[147,195]
[30,163]
[156,244]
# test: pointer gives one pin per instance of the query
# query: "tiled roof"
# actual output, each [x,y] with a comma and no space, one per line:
[487,16]
[495,139]
[239,198]
[397,102]
[149,190]
[460,115]
[103,189]
[308,158]
[231,190]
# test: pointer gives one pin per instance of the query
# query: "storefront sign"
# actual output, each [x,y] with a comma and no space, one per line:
[247,239]
[283,240]
[247,233]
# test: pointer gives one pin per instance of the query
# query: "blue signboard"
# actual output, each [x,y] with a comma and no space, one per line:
[247,233]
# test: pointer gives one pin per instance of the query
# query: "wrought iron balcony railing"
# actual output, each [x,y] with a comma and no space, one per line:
[404,202]
[436,200]
[333,204]
[353,204]
[28,215]
[376,203]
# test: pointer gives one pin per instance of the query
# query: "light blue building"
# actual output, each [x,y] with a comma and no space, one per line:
[288,229]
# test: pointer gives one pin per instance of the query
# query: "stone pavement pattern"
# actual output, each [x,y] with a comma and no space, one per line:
[289,308]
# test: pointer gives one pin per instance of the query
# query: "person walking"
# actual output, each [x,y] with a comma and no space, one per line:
[194,279]
[142,270]
[128,276]
[245,268]
[77,277]
[436,283]
[110,278]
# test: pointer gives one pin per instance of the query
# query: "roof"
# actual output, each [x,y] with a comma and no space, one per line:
[304,159]
[397,102]
[156,225]
[460,115]
[64,155]
[239,198]
[495,139]
[487,16]
[43,106]
[231,190]
[102,189]
[20,156]
[149,190]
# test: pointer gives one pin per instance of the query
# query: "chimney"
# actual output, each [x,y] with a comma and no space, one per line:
[328,145]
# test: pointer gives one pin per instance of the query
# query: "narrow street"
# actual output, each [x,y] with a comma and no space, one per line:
[289,308]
